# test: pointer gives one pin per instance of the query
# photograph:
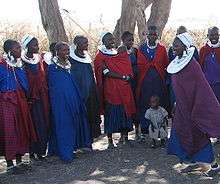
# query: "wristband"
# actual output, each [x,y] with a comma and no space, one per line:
[106,71]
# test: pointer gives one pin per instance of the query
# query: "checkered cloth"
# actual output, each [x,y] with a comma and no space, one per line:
[14,137]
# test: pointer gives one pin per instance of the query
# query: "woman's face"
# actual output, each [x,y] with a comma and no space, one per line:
[16,50]
[152,36]
[128,41]
[213,36]
[33,46]
[63,52]
[109,41]
[83,44]
[178,47]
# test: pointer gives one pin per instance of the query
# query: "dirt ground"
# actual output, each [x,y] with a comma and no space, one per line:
[122,165]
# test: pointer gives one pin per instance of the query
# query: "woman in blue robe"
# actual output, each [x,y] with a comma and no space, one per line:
[70,128]
[82,72]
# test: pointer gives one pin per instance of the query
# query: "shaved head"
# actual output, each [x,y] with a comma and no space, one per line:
[180,30]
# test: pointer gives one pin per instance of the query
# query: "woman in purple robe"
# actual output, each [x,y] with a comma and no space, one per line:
[193,123]
[171,55]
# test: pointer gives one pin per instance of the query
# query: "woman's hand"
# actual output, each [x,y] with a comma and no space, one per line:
[126,78]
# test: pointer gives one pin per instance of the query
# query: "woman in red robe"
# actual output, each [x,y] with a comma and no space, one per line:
[152,61]
[113,73]
[38,94]
[17,131]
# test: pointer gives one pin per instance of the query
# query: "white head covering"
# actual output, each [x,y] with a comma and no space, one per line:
[186,39]
[25,40]
[178,64]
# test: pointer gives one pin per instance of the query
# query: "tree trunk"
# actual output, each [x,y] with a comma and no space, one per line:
[127,21]
[141,6]
[160,11]
[133,12]
[52,20]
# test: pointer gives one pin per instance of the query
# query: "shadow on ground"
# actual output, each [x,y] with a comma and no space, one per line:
[123,165]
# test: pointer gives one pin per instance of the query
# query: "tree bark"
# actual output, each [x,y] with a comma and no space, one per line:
[127,21]
[160,11]
[141,6]
[52,20]
[133,12]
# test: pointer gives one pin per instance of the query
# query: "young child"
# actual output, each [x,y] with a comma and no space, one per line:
[157,116]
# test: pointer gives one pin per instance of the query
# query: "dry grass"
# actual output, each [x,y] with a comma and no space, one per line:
[18,30]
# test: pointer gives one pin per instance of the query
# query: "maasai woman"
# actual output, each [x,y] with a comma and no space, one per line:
[70,128]
[128,41]
[16,128]
[171,55]
[210,60]
[193,123]
[38,94]
[113,73]
[180,30]
[152,61]
[82,72]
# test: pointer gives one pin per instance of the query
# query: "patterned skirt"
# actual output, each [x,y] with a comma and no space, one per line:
[15,134]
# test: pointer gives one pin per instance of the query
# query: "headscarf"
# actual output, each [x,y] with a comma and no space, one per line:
[26,40]
[186,39]
[179,63]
